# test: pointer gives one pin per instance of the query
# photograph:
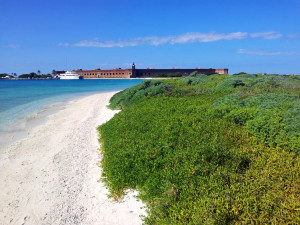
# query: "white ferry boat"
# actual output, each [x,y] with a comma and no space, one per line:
[70,75]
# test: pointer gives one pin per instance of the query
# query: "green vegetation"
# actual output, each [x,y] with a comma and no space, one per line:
[208,149]
[146,89]
[195,78]
[34,76]
[178,74]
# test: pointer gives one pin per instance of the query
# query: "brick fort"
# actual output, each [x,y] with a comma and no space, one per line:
[143,73]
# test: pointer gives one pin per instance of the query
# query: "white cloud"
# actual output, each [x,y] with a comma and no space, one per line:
[174,39]
[260,52]
[10,46]
[266,35]
[293,36]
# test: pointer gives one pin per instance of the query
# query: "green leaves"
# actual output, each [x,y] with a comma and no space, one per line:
[195,78]
[272,118]
[147,88]
[206,154]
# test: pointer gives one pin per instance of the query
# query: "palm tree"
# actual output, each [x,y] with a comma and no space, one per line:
[39,72]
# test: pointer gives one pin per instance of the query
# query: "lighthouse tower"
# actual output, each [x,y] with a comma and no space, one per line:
[133,66]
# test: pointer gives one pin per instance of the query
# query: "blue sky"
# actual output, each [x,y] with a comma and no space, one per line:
[242,35]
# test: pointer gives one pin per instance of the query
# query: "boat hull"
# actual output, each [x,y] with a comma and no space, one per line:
[70,77]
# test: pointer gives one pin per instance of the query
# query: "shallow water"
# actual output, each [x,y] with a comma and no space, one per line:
[26,103]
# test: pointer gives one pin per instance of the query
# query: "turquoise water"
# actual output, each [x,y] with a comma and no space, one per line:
[23,100]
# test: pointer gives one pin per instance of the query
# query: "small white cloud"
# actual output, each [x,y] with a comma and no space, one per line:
[202,37]
[175,39]
[64,44]
[293,36]
[260,52]
[11,46]
[266,35]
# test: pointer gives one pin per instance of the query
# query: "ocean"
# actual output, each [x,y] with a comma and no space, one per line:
[26,103]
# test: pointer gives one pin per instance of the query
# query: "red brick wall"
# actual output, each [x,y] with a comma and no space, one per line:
[116,73]
[222,71]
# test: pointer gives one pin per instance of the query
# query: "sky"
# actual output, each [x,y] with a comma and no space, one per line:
[253,36]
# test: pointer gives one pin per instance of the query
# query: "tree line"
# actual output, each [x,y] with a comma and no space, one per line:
[31,75]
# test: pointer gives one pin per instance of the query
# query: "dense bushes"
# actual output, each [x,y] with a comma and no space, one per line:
[195,78]
[207,155]
[146,88]
[273,118]
[178,74]
[33,75]
[241,80]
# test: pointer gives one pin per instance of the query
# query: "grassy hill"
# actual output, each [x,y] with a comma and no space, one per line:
[208,149]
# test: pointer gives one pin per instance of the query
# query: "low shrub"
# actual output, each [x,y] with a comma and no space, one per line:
[248,80]
[192,168]
[146,88]
[272,118]
[178,74]
[231,83]
[195,78]
[214,152]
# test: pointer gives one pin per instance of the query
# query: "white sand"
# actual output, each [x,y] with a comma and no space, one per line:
[51,176]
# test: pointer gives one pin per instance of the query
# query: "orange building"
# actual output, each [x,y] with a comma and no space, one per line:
[115,73]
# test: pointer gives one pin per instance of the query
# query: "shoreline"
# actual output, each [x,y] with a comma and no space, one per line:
[51,176]
[39,110]
[20,127]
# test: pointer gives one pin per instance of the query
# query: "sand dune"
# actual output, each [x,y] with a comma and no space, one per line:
[51,176]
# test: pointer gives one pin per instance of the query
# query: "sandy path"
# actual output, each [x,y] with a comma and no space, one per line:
[51,176]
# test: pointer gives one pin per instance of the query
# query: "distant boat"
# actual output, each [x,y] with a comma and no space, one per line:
[70,75]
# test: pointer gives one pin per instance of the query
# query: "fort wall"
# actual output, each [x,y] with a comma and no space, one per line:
[184,72]
[115,73]
[142,73]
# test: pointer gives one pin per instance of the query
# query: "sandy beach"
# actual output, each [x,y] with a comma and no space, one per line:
[51,176]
